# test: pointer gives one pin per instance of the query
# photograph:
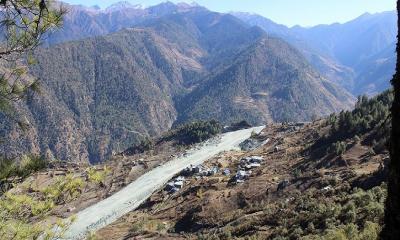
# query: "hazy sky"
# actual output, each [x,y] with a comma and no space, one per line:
[288,12]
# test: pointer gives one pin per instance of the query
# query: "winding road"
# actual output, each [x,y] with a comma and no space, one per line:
[129,198]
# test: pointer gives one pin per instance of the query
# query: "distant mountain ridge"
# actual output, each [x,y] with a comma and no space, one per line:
[340,52]
[102,94]
[82,22]
[122,6]
[345,53]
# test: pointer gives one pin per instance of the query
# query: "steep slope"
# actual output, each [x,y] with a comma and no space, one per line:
[334,50]
[303,188]
[82,22]
[356,40]
[101,95]
[313,180]
[321,61]
[376,72]
[231,91]
[343,53]
[268,81]
[220,36]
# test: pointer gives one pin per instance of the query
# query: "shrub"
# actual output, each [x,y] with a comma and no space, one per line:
[339,148]
[27,165]
[194,132]
[369,116]
[19,229]
[238,126]
[360,217]
[64,189]
[8,168]
[349,213]
[370,232]
[145,145]
[31,163]
[97,177]
[91,236]
[15,211]
[199,193]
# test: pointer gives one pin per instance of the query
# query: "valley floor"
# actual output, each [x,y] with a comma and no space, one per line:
[301,190]
[320,195]
[130,197]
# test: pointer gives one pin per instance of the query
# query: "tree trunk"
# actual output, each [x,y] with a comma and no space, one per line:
[392,213]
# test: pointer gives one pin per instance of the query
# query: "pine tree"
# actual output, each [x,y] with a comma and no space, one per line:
[23,24]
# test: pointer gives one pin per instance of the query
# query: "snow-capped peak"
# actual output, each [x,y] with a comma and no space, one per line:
[122,5]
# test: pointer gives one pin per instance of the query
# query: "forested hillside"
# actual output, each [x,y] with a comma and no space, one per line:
[101,95]
[356,55]
[268,81]
[359,55]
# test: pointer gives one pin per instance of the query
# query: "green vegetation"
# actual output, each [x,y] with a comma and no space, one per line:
[339,148]
[368,114]
[64,189]
[97,177]
[145,145]
[371,117]
[27,165]
[17,209]
[145,225]
[310,215]
[238,126]
[195,132]
[357,215]
[145,90]
[23,24]
[24,206]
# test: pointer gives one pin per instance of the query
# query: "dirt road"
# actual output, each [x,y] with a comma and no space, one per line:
[130,197]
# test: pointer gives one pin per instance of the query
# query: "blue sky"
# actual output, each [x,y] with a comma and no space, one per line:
[288,12]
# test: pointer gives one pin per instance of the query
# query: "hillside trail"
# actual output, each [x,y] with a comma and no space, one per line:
[132,196]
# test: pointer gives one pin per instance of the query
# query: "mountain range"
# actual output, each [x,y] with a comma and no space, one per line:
[340,52]
[359,55]
[111,77]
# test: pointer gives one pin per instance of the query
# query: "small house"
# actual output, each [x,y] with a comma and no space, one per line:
[169,186]
[256,159]
[241,174]
[239,181]
[213,171]
[198,169]
[187,171]
[255,165]
[180,179]
[178,184]
[173,190]
[227,172]
[248,166]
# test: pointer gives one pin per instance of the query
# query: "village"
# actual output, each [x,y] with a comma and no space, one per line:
[240,172]
[244,171]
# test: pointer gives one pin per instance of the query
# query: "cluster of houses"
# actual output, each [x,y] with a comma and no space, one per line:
[202,171]
[245,168]
[175,185]
[199,171]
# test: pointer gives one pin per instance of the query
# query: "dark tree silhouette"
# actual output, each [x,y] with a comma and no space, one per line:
[392,214]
